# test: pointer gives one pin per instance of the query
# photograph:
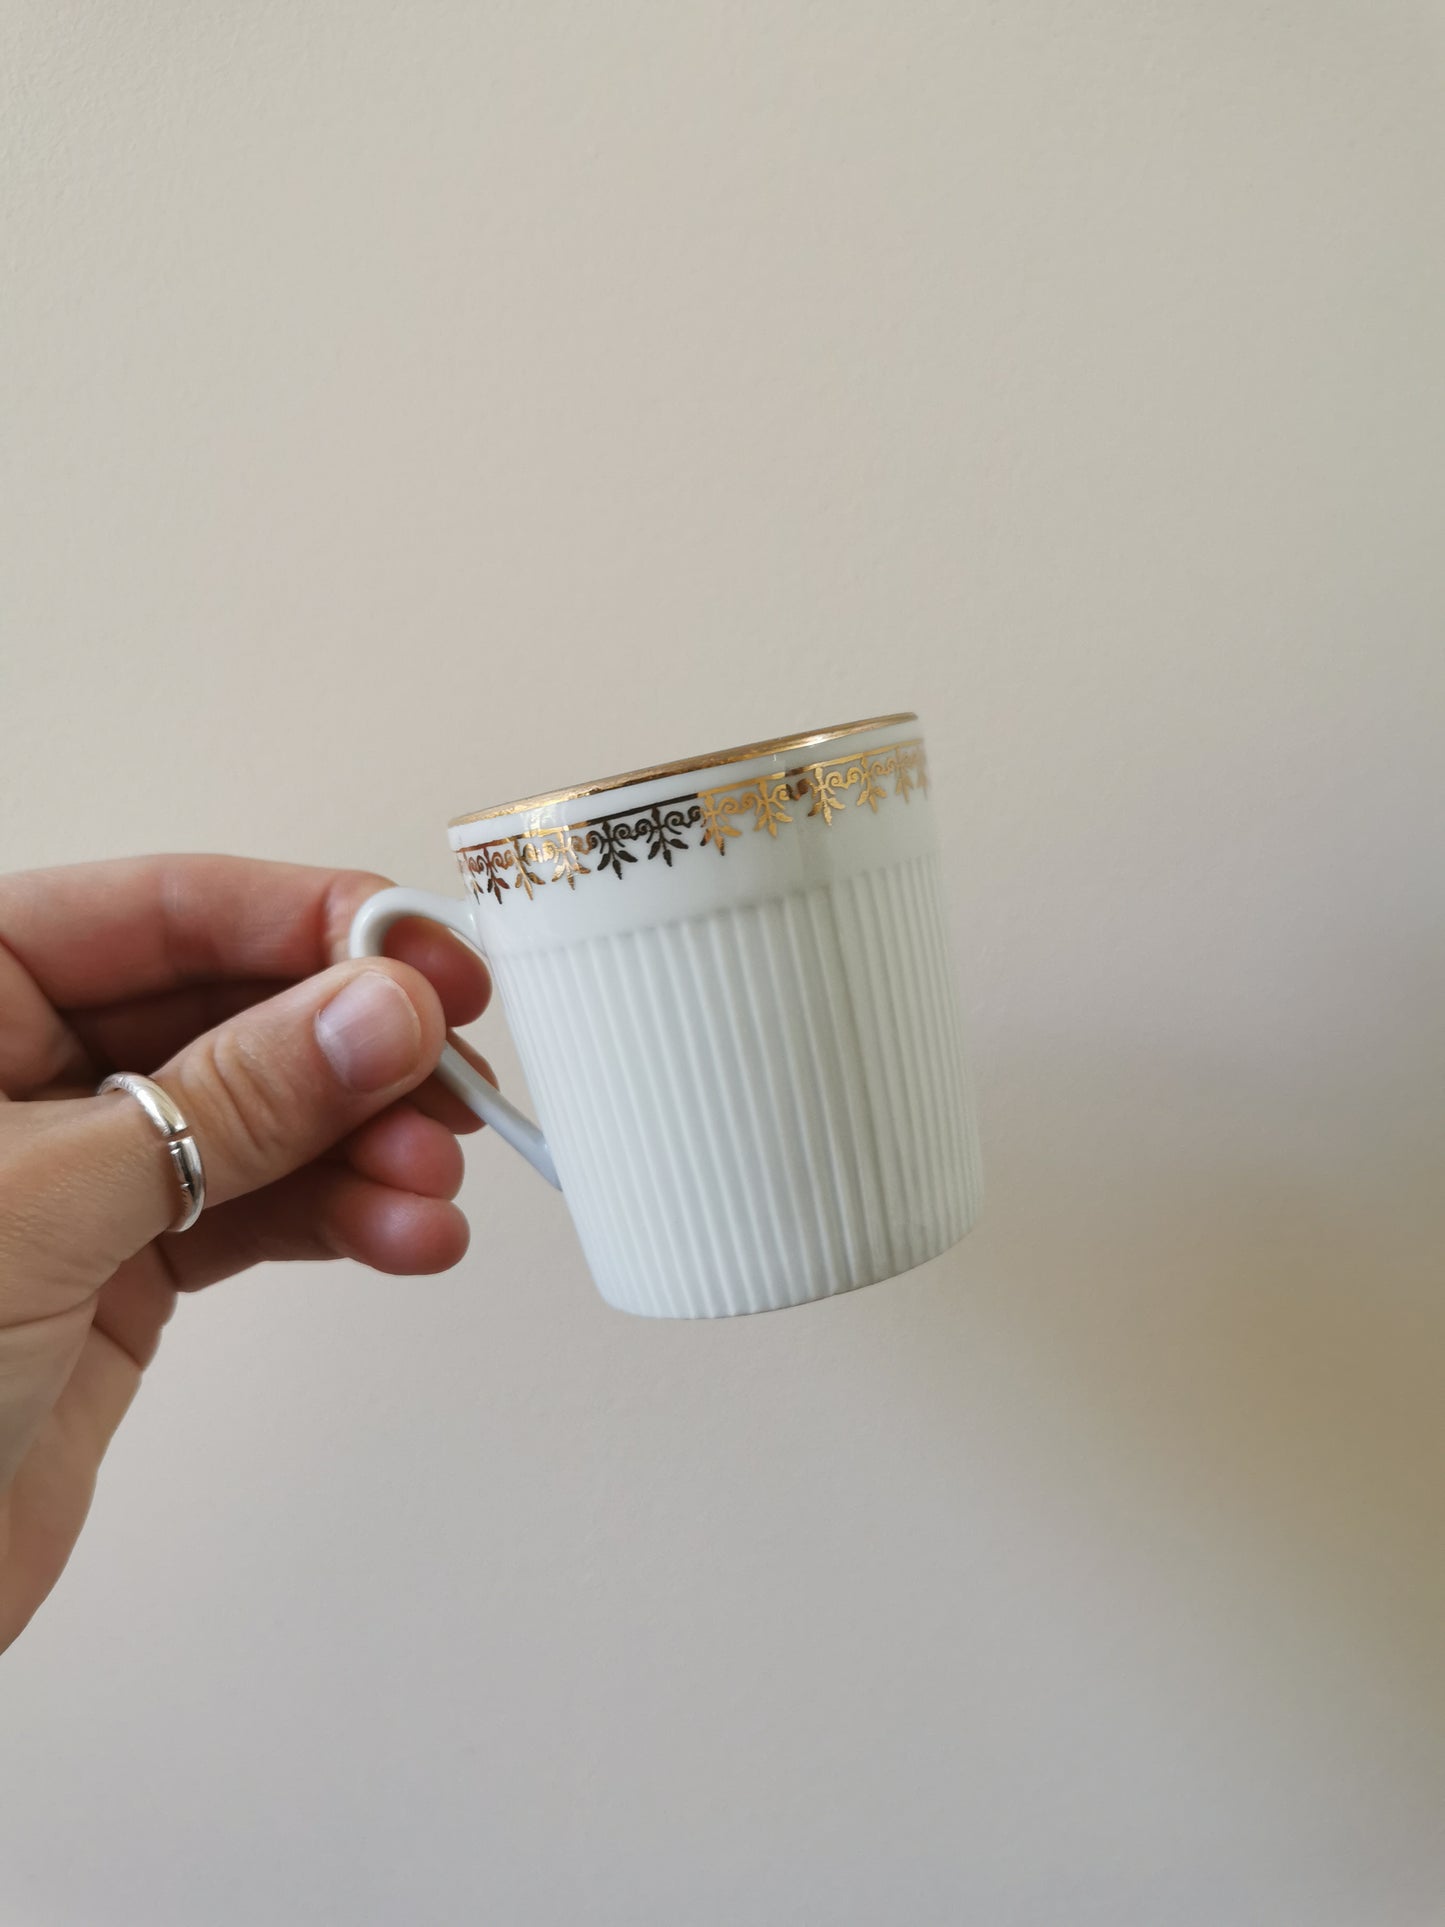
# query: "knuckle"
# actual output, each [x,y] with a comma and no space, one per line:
[246,1112]
[348,890]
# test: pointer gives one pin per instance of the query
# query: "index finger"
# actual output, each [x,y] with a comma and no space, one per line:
[93,933]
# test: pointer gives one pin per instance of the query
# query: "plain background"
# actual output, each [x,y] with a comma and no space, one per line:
[410,406]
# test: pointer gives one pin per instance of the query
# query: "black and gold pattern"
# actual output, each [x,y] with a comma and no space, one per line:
[537,858]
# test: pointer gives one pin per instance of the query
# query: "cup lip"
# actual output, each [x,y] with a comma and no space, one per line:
[686,766]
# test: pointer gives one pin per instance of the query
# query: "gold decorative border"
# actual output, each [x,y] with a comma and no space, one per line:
[539,857]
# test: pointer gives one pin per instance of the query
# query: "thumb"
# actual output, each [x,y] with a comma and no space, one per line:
[272,1088]
[263,1094]
[276,1085]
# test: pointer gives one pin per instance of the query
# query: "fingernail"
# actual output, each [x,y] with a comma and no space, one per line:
[369,1032]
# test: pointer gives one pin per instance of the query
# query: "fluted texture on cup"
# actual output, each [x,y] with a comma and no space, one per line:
[761,1105]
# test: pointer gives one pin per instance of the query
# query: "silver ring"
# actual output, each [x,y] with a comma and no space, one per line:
[165,1114]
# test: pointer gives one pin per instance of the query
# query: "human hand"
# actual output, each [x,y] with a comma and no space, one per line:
[309,1096]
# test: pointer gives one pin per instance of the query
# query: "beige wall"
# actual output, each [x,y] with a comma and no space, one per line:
[406,406]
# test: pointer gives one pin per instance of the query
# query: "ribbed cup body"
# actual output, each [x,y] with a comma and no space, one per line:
[760,1105]
[747,1059]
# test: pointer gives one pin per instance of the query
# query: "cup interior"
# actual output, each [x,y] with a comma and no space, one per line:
[685,766]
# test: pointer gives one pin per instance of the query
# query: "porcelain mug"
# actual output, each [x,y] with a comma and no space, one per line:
[731,988]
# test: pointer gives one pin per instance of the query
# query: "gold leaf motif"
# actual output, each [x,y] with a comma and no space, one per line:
[766,796]
[870,791]
[715,827]
[517,860]
[561,849]
[825,784]
[769,798]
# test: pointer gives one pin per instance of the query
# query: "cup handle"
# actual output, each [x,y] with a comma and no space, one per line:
[368,933]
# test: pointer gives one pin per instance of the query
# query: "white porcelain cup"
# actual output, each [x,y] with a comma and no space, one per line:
[731,987]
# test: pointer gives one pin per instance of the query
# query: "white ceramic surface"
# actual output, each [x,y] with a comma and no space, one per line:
[731,988]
